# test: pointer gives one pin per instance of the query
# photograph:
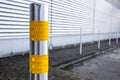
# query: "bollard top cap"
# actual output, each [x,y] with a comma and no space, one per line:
[43,4]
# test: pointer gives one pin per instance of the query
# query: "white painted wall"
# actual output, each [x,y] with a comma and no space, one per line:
[12,46]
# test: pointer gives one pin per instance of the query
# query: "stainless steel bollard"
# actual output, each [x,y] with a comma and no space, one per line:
[38,41]
[110,39]
[99,39]
[80,41]
[117,38]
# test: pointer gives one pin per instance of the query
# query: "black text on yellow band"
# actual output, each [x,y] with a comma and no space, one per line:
[38,30]
[38,64]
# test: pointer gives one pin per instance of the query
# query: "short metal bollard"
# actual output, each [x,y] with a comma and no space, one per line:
[81,41]
[99,40]
[110,39]
[38,65]
[117,38]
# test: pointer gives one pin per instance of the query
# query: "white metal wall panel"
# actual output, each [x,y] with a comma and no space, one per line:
[103,17]
[116,19]
[107,18]
[66,18]
[14,25]
[14,18]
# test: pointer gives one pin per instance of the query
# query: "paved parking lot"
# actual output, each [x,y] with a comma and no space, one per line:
[103,67]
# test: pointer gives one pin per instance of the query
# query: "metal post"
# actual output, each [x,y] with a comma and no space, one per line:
[110,39]
[80,41]
[117,38]
[38,41]
[99,39]
[51,36]
[111,25]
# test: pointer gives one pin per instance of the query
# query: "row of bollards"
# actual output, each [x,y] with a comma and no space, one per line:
[99,40]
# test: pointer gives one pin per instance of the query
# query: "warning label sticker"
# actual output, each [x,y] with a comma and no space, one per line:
[38,64]
[38,30]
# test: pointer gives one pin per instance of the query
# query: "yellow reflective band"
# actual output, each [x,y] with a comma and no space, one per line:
[38,64]
[38,30]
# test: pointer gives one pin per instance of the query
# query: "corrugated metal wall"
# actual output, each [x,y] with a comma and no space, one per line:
[14,18]
[66,18]
[69,16]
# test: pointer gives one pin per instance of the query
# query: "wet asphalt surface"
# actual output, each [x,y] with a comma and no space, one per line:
[17,67]
[103,67]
